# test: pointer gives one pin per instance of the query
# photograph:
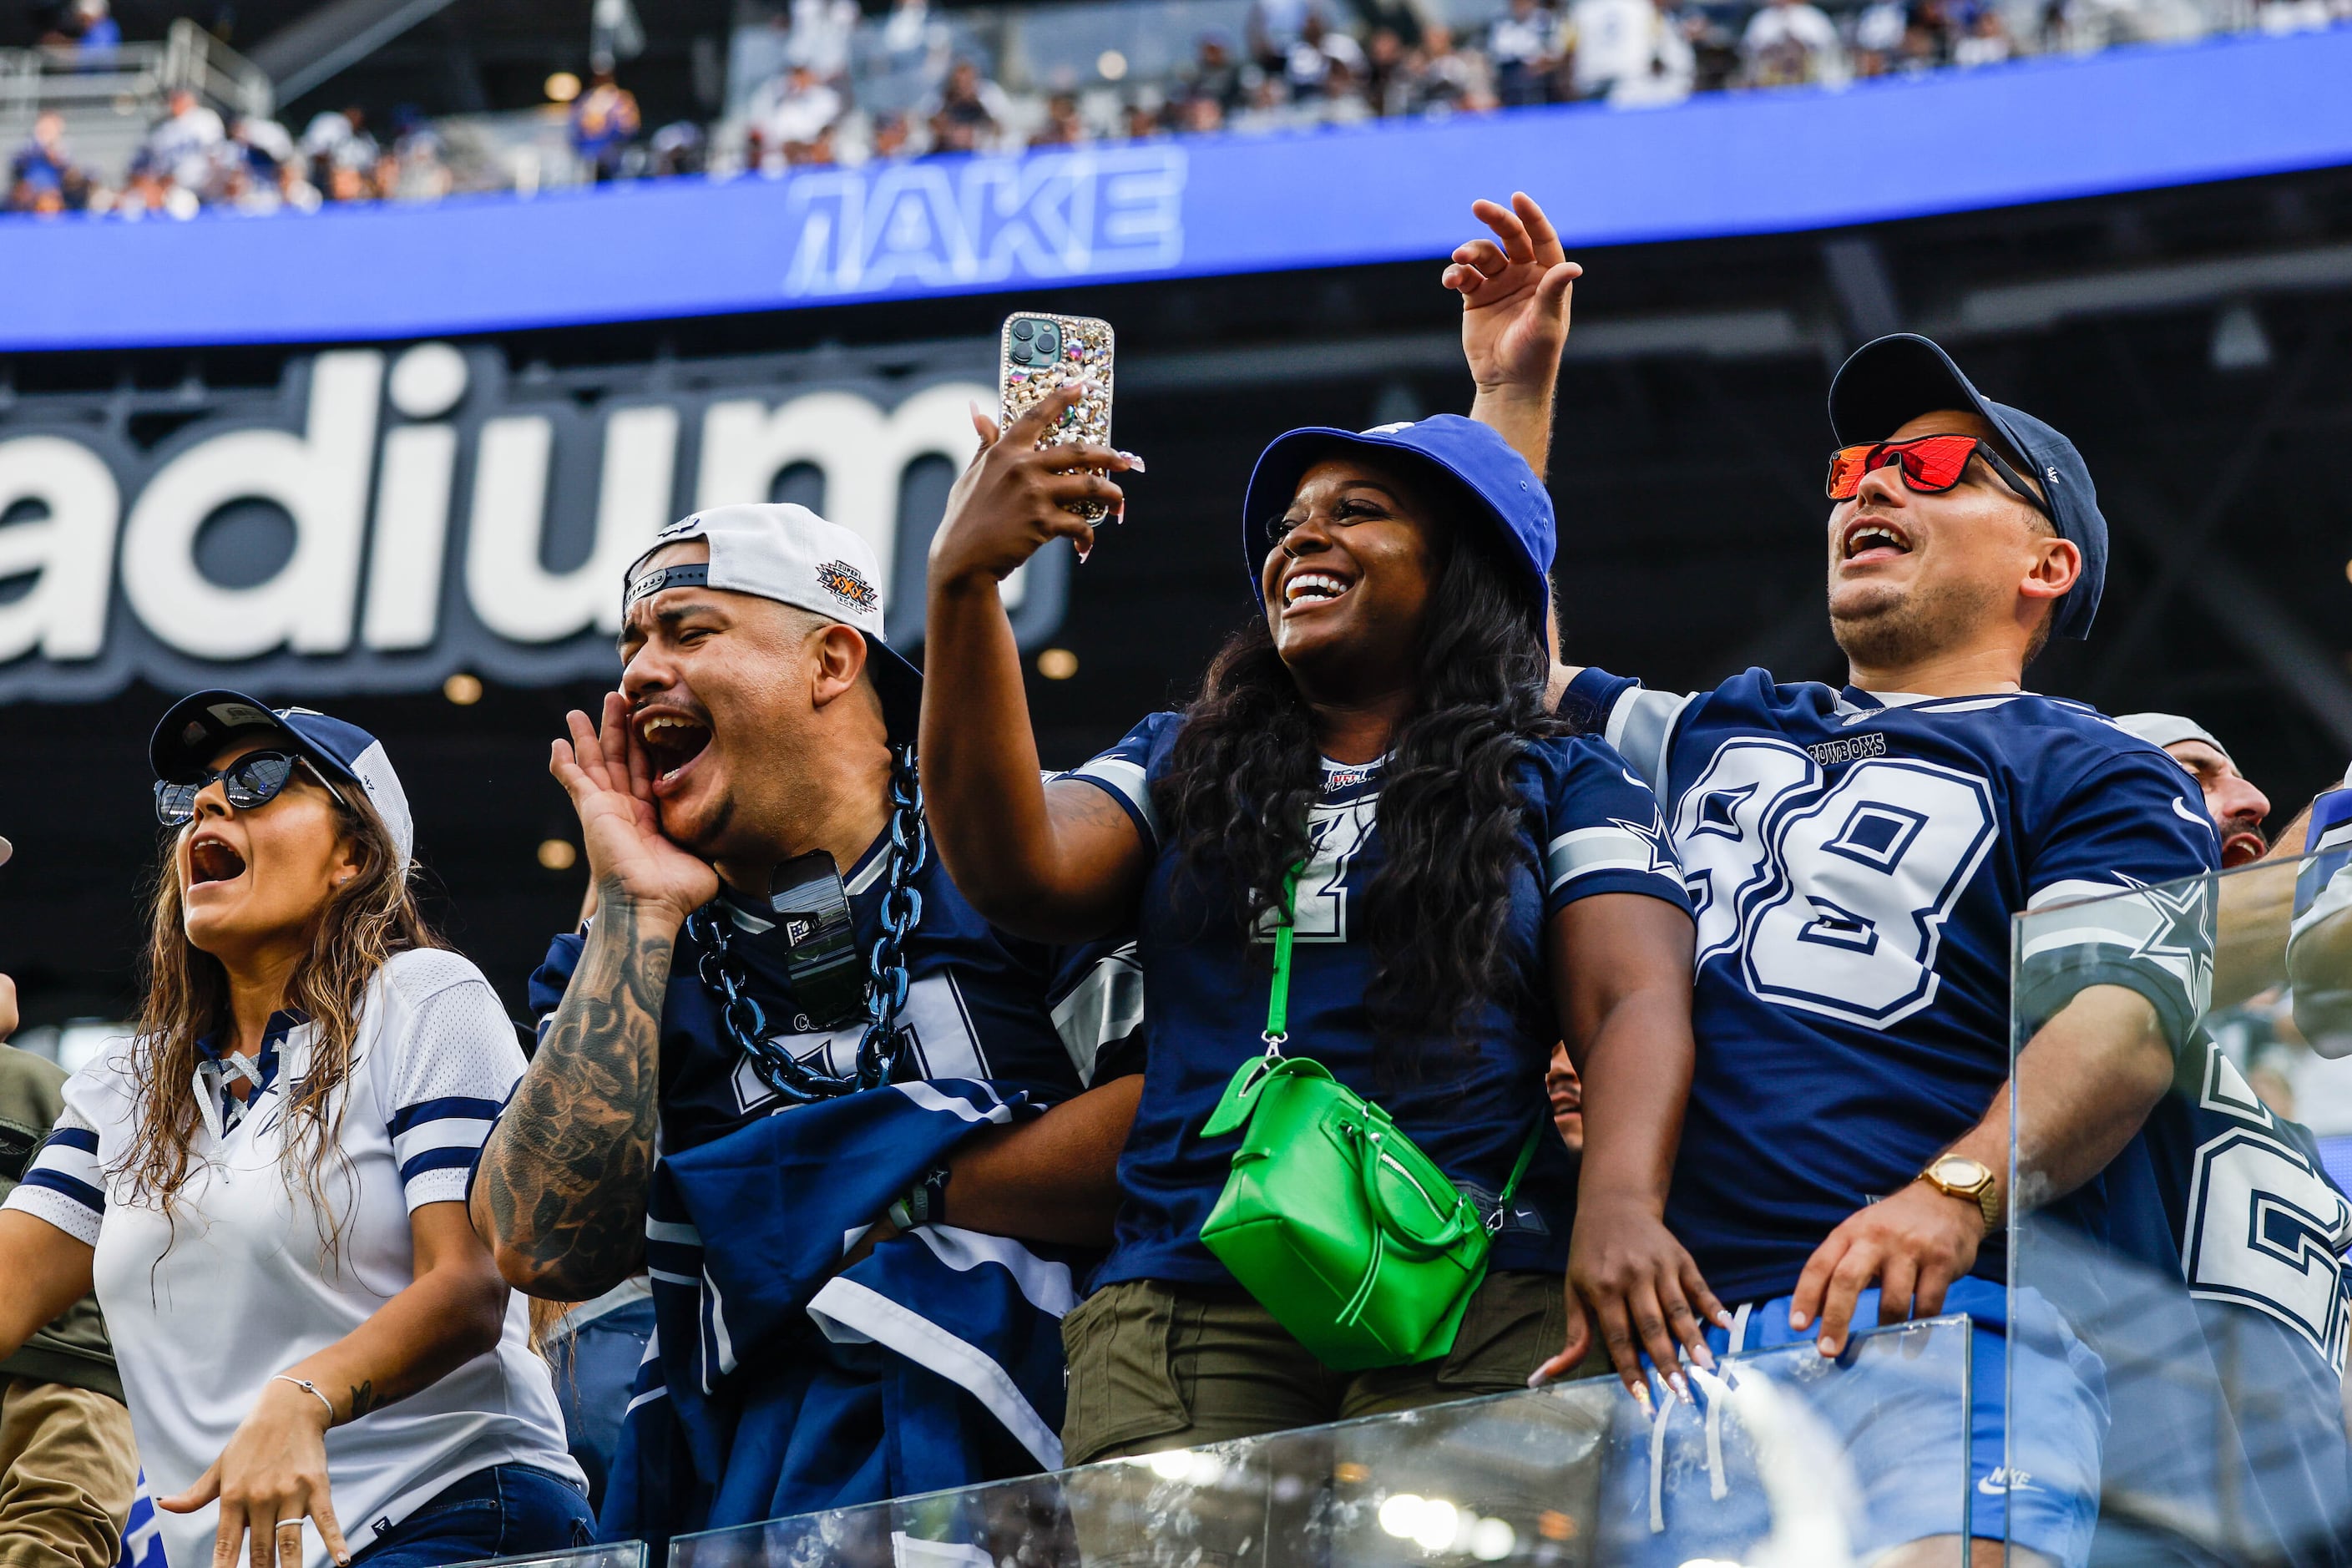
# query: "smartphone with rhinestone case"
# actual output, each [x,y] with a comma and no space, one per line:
[1040,352]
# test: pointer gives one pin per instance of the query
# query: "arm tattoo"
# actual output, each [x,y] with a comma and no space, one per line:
[566,1171]
[1087,803]
[363,1398]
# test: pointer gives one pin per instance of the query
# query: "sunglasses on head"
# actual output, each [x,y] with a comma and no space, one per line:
[252,779]
[1931,465]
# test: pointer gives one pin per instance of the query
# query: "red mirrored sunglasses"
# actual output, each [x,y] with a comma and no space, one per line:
[1931,465]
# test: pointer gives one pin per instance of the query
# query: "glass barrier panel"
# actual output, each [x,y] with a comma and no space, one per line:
[2183,1141]
[619,1554]
[1787,1460]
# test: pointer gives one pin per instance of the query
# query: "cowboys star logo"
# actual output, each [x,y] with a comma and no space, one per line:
[1653,836]
[2181,938]
[848,584]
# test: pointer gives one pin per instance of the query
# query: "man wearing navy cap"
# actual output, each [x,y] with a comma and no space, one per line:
[773,935]
[1855,855]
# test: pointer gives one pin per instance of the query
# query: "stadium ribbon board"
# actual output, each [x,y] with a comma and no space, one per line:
[378,520]
[1747,164]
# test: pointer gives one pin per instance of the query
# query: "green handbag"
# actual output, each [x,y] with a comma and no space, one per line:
[1333,1218]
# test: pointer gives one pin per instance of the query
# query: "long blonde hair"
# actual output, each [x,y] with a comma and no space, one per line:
[363,923]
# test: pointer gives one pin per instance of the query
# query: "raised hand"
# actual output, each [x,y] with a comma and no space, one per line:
[1515,289]
[1015,496]
[606,774]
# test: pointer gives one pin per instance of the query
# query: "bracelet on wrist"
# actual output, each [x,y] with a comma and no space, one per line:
[925,1203]
[305,1384]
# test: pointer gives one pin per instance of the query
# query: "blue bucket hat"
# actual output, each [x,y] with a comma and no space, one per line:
[1470,462]
[1890,381]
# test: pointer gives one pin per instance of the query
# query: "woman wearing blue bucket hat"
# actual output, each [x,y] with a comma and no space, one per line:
[1365,843]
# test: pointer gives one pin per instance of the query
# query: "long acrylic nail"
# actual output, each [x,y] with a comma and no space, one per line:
[1135,462]
[1538,1378]
[1641,1392]
[1722,1319]
[1703,1355]
[1682,1389]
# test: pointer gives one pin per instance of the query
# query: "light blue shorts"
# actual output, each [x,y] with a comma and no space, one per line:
[1896,1420]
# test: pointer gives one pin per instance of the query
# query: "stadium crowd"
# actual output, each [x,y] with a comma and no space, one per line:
[848,88]
[925,1126]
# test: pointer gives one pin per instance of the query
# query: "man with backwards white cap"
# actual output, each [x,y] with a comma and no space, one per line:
[773,934]
[2237,806]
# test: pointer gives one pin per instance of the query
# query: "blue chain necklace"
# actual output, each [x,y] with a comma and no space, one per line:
[746,1022]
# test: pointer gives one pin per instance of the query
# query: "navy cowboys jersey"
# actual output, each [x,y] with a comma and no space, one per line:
[980,1004]
[1589,827]
[2248,1212]
[2227,1196]
[1853,862]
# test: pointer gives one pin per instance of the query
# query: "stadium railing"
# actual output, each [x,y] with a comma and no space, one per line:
[2173,1367]
[2199,1297]
[1760,1469]
[111,98]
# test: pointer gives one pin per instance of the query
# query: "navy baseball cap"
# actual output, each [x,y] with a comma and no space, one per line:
[1888,382]
[191,733]
[1469,461]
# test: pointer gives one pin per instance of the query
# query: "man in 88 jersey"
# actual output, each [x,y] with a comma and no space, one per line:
[1854,856]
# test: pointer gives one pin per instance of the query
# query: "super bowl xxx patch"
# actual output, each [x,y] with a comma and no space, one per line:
[848,584]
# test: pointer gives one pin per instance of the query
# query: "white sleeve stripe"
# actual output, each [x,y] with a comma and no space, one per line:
[79,1165]
[2095,911]
[1125,780]
[433,1187]
[2078,890]
[2079,914]
[1642,726]
[1638,863]
[1107,1005]
[1588,850]
[450,1133]
[74,1219]
[2090,933]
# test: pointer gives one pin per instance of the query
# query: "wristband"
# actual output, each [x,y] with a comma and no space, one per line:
[307,1386]
[925,1203]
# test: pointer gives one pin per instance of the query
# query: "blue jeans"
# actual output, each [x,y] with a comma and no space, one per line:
[497,1512]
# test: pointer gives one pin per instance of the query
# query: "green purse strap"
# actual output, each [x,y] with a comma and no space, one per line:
[1277,1002]
[1518,1174]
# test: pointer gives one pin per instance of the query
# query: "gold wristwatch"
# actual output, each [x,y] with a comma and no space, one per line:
[1958,1176]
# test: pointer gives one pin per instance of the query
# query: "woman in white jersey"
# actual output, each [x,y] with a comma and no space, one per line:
[265,1183]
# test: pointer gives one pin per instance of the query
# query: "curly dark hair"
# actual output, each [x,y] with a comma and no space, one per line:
[1248,764]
